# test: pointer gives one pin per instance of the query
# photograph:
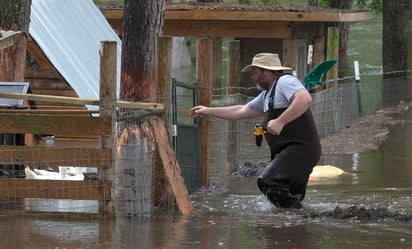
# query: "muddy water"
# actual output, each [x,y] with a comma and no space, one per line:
[242,218]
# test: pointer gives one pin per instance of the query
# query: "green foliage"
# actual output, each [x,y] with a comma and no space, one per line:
[324,3]
[376,5]
[269,1]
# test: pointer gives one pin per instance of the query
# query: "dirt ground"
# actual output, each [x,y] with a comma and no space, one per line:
[366,133]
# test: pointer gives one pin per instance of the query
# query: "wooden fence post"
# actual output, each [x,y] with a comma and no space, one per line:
[409,61]
[233,83]
[217,65]
[108,85]
[164,75]
[204,74]
[332,53]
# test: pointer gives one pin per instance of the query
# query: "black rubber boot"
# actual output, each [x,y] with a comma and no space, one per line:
[279,195]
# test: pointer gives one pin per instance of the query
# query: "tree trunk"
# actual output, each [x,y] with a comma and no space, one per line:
[395,50]
[142,23]
[14,15]
[312,2]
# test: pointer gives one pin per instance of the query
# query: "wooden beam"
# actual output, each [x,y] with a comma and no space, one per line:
[252,15]
[265,16]
[36,156]
[58,125]
[51,111]
[38,55]
[140,105]
[228,29]
[55,189]
[44,73]
[108,61]
[79,101]
[171,166]
[7,39]
[237,23]
[50,98]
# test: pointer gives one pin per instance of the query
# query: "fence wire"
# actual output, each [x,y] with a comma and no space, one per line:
[232,143]
[139,182]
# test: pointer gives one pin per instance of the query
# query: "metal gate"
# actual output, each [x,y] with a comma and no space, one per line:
[185,132]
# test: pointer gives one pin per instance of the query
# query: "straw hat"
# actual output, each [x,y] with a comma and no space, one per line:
[267,61]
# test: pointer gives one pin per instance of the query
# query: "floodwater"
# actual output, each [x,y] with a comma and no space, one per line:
[243,218]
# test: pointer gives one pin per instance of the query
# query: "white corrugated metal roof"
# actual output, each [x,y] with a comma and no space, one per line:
[70,35]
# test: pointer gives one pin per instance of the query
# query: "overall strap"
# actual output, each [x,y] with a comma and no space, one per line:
[272,92]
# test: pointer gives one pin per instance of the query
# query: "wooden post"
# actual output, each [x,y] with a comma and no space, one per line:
[164,49]
[332,54]
[409,61]
[217,65]
[164,75]
[171,166]
[108,71]
[318,50]
[204,73]
[233,83]
[233,67]
[288,56]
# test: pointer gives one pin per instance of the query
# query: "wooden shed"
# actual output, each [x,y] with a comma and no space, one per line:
[284,29]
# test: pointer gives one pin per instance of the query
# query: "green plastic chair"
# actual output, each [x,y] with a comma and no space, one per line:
[317,75]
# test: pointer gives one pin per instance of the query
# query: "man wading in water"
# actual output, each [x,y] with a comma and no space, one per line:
[291,131]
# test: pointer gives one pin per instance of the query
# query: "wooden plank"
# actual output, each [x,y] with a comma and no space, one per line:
[38,54]
[49,98]
[171,166]
[273,16]
[238,15]
[140,105]
[57,125]
[55,189]
[7,39]
[79,101]
[51,111]
[53,156]
[44,73]
[107,97]
[228,29]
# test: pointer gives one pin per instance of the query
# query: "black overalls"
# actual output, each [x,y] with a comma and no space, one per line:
[294,153]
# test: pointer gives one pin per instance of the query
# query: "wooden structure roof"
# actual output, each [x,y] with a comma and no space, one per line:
[244,21]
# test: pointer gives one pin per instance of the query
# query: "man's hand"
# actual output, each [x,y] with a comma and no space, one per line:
[275,127]
[197,111]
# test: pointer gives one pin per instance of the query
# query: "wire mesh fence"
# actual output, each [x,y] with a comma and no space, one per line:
[233,142]
[137,178]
